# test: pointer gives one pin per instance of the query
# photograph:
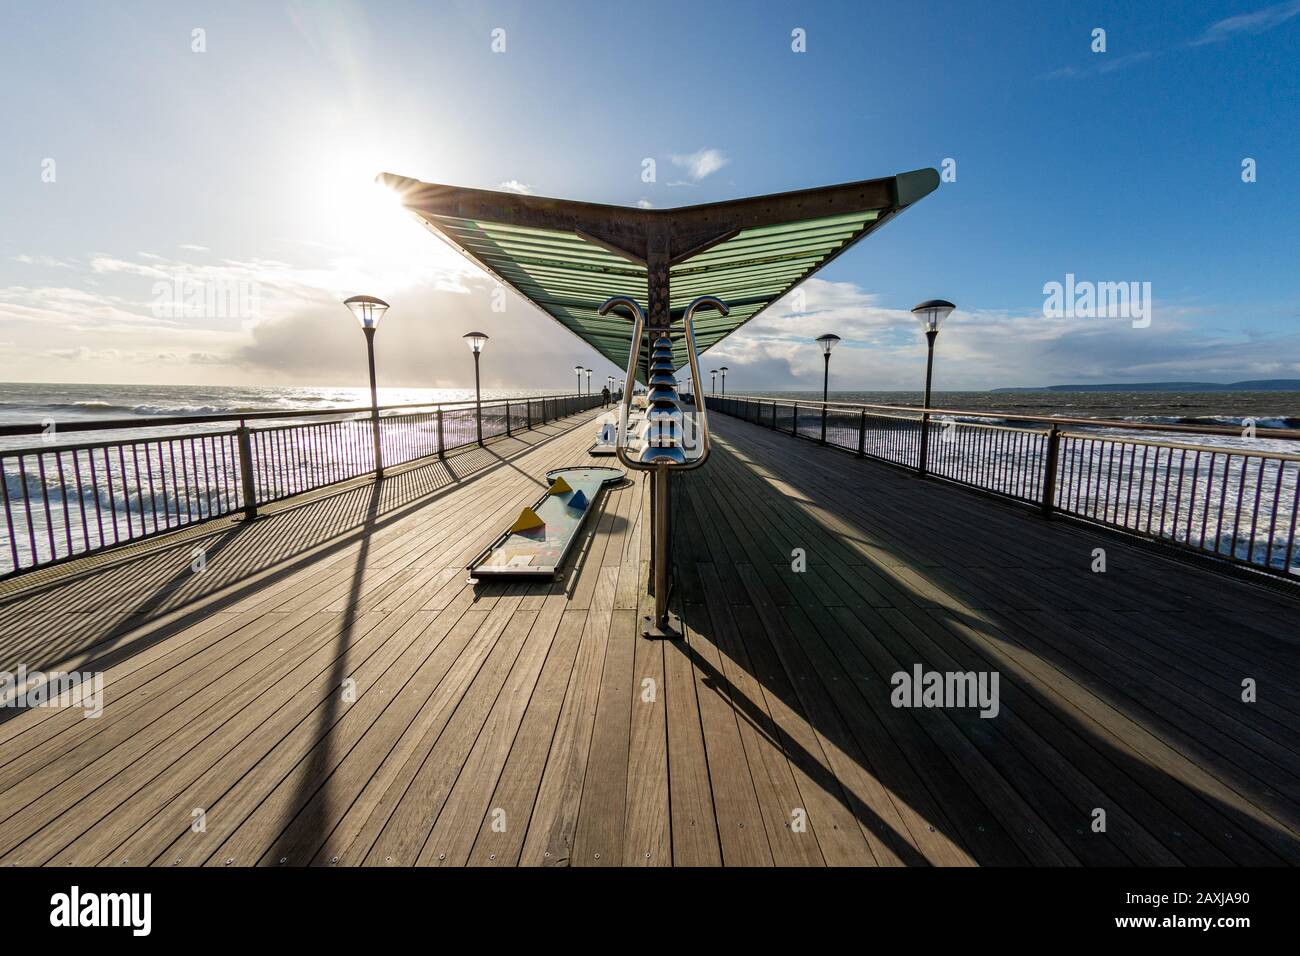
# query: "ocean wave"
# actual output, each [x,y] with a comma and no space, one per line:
[178,411]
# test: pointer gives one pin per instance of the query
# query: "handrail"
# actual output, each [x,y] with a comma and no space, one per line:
[101,424]
[1229,500]
[919,410]
[638,330]
[625,409]
[71,497]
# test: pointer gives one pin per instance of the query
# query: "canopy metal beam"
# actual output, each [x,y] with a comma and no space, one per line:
[559,253]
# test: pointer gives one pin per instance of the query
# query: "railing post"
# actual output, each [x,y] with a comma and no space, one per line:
[1049,471]
[528,413]
[244,436]
[441,443]
[925,443]
[507,419]
[862,434]
[794,419]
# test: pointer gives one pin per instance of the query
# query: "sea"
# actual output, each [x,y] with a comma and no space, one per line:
[66,405]
[61,408]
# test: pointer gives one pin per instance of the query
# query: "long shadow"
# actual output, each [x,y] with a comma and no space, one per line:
[313,773]
[842,647]
[810,764]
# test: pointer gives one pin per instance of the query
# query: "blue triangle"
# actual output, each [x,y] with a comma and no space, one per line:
[579,501]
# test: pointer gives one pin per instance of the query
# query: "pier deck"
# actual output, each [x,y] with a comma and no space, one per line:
[330,690]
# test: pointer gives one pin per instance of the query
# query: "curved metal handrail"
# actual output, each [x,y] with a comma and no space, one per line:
[638,330]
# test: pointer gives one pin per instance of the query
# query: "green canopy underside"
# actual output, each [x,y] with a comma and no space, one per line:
[569,277]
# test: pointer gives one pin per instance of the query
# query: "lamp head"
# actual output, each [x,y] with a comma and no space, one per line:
[367,309]
[932,312]
[475,341]
[827,342]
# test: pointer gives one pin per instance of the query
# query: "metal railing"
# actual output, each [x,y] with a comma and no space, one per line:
[1236,503]
[68,499]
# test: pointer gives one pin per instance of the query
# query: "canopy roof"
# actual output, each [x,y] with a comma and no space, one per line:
[568,257]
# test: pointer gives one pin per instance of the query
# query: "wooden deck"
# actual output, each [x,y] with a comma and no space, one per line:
[530,724]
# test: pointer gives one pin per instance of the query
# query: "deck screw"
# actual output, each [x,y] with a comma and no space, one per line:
[283,860]
[597,855]
[334,859]
[442,856]
[177,862]
[230,861]
[647,856]
[742,826]
[931,829]
[388,859]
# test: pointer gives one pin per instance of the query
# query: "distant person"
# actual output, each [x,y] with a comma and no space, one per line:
[604,397]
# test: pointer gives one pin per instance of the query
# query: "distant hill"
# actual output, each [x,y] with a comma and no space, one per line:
[1259,385]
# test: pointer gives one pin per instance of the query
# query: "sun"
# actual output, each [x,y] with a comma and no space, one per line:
[366,232]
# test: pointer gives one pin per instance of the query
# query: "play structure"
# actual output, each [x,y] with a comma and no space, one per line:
[540,538]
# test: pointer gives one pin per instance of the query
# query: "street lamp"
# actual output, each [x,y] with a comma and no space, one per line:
[475,341]
[723,370]
[578,369]
[369,311]
[713,387]
[931,314]
[588,391]
[827,342]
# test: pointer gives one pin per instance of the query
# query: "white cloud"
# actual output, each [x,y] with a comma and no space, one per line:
[701,163]
[1258,22]
[883,348]
[49,262]
[515,186]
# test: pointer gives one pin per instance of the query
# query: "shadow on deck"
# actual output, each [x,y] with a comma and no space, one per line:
[331,690]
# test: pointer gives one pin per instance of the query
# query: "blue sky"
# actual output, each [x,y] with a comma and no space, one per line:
[248,166]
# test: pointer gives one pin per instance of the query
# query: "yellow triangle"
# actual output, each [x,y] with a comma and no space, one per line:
[526,521]
[560,486]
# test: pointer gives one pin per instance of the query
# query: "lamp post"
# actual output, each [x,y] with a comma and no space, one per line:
[931,314]
[723,370]
[827,342]
[578,369]
[713,387]
[588,391]
[369,311]
[475,342]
